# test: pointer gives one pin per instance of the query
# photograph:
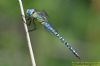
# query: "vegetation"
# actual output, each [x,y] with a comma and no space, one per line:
[77,20]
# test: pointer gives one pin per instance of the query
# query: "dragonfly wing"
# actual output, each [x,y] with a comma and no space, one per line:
[42,15]
[45,13]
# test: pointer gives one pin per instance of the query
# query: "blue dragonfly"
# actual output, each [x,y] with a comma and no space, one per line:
[33,15]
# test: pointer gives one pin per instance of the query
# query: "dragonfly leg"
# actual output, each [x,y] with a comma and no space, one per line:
[30,30]
[31,24]
[28,22]
[26,17]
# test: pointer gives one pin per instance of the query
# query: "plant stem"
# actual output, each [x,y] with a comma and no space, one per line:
[27,34]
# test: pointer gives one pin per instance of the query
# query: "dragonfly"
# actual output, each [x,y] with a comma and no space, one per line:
[32,15]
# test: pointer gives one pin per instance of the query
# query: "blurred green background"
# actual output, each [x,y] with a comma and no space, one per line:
[77,20]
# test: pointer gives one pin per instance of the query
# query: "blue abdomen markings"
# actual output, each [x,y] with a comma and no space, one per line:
[54,32]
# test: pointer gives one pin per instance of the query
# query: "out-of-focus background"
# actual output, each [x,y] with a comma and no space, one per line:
[77,20]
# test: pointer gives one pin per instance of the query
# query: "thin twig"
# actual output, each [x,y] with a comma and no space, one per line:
[27,34]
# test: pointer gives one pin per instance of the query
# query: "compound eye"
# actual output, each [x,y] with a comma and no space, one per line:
[30,11]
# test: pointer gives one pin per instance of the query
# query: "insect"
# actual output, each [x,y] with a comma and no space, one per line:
[32,15]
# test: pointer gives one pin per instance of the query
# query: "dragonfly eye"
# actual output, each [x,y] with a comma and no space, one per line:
[29,12]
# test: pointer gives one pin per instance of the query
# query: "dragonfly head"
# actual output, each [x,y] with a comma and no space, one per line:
[29,12]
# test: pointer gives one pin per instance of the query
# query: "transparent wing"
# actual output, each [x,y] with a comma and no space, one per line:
[42,14]
[45,13]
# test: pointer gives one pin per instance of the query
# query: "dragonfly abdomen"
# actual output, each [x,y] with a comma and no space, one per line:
[53,31]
